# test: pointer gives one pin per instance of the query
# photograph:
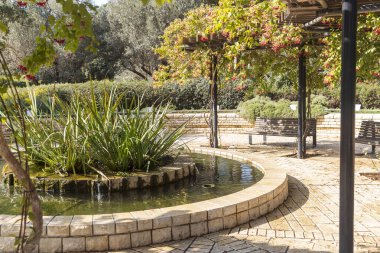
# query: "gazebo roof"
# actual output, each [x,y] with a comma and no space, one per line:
[309,13]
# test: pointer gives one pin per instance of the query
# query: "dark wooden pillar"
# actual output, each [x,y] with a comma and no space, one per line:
[214,102]
[215,99]
[301,105]
[347,128]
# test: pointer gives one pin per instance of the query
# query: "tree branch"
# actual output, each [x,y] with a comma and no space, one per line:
[137,73]
[146,71]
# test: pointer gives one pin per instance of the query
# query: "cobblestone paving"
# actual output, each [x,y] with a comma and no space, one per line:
[306,222]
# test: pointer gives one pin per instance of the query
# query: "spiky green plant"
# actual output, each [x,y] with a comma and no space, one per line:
[101,133]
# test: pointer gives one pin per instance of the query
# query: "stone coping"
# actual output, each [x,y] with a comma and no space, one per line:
[181,167]
[86,233]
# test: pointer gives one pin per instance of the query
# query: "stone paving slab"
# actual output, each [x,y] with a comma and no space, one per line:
[308,220]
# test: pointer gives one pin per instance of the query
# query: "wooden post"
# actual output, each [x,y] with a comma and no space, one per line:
[347,127]
[215,100]
[301,105]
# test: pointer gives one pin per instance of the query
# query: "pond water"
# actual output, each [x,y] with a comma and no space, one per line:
[217,176]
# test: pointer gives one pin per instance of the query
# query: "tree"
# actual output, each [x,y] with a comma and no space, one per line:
[67,30]
[128,31]
[243,27]
[250,42]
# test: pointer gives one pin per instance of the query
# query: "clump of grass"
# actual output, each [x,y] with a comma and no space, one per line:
[101,133]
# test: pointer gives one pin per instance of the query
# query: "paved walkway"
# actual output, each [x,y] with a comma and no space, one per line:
[308,219]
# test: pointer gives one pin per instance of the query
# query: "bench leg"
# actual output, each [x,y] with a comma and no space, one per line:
[264,139]
[314,141]
[373,149]
[250,139]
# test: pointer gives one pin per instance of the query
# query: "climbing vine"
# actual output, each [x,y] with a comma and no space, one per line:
[234,29]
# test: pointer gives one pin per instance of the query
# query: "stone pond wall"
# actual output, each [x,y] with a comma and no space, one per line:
[181,168]
[119,231]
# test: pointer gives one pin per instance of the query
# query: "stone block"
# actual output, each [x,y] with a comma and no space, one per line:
[214,213]
[253,203]
[45,220]
[119,242]
[270,205]
[242,217]
[162,222]
[242,206]
[59,226]
[7,244]
[186,171]
[180,232]
[125,223]
[198,229]
[198,217]
[230,221]
[171,175]
[181,219]
[215,225]
[254,213]
[141,238]
[229,210]
[97,243]
[50,245]
[81,225]
[161,235]
[144,225]
[132,182]
[262,199]
[103,225]
[263,209]
[74,244]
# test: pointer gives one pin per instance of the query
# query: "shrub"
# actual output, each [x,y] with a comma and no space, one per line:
[369,95]
[264,107]
[99,133]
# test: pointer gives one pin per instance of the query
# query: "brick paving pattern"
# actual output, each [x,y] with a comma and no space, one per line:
[306,222]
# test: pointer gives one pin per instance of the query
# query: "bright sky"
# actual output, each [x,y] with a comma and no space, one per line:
[100,2]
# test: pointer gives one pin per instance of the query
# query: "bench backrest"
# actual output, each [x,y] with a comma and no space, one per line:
[369,129]
[284,126]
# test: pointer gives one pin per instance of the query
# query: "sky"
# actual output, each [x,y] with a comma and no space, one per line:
[100,2]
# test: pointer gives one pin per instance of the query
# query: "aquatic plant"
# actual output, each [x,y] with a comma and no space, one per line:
[99,133]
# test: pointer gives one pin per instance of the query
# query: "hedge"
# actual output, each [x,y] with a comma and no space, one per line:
[190,96]
[367,94]
[194,95]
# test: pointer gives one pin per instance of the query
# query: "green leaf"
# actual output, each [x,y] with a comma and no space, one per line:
[31,216]
[3,27]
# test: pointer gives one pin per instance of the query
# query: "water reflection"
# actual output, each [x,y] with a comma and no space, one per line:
[226,175]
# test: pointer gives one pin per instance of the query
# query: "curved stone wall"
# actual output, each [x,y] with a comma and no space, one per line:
[181,168]
[86,233]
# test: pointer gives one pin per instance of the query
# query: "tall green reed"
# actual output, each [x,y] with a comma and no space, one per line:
[102,133]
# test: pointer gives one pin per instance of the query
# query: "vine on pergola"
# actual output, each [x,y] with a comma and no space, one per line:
[234,29]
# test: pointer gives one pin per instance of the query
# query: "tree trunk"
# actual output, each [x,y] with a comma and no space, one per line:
[24,179]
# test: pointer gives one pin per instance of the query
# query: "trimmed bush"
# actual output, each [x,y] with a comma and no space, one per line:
[369,95]
[264,107]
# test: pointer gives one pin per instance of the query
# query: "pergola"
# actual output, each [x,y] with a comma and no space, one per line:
[309,14]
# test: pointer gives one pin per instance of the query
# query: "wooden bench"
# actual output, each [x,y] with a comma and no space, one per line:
[369,133]
[282,127]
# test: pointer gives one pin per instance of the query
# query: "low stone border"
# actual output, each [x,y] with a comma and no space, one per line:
[181,168]
[85,233]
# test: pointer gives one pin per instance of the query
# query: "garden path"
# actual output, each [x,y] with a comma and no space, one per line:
[308,220]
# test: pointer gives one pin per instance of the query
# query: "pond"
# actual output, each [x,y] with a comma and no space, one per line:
[217,177]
